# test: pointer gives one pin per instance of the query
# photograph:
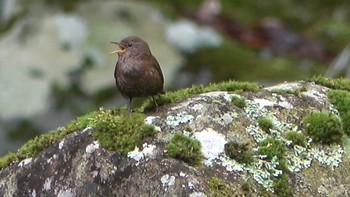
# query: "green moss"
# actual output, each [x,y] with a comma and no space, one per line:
[246,186]
[323,127]
[33,146]
[265,124]
[219,188]
[272,147]
[115,129]
[341,100]
[82,121]
[7,159]
[282,187]
[185,148]
[120,133]
[170,97]
[339,96]
[296,138]
[239,102]
[338,84]
[37,144]
[239,152]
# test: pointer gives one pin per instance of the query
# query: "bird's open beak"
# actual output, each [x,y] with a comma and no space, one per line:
[120,50]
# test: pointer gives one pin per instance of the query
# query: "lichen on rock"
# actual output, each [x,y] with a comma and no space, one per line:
[284,159]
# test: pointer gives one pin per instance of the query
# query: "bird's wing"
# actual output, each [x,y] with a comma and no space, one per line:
[159,70]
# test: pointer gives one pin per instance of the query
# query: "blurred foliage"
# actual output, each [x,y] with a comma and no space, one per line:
[233,60]
[24,131]
[326,22]
[314,18]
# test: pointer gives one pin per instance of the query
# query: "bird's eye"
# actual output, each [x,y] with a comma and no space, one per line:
[129,45]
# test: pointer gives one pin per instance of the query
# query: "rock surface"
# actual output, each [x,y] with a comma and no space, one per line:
[77,165]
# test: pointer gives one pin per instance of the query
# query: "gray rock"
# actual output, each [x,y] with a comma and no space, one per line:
[77,165]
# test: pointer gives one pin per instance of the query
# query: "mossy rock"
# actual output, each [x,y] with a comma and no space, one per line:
[323,127]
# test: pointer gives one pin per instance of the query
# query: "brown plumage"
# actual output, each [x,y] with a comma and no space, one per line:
[137,72]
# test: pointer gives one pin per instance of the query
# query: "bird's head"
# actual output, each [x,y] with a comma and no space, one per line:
[131,45]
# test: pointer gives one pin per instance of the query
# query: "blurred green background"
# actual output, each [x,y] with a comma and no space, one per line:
[55,62]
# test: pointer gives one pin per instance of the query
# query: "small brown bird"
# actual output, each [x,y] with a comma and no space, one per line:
[137,72]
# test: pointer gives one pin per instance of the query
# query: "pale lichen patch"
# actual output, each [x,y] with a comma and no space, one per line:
[60,145]
[231,165]
[87,129]
[197,107]
[331,157]
[25,162]
[150,121]
[212,144]
[263,103]
[54,156]
[167,180]
[285,87]
[47,184]
[197,194]
[180,118]
[92,147]
[317,94]
[225,119]
[147,151]
[256,133]
[253,110]
[263,171]
[66,193]
[224,94]
[300,159]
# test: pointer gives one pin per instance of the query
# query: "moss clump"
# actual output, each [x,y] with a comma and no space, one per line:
[185,148]
[323,127]
[170,97]
[239,152]
[239,102]
[272,147]
[338,84]
[246,186]
[341,100]
[219,188]
[120,133]
[7,159]
[296,138]
[265,124]
[282,187]
[115,131]
[33,146]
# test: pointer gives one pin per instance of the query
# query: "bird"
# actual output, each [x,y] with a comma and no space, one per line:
[137,72]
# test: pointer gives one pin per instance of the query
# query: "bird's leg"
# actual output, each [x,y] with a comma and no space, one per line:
[154,101]
[129,106]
